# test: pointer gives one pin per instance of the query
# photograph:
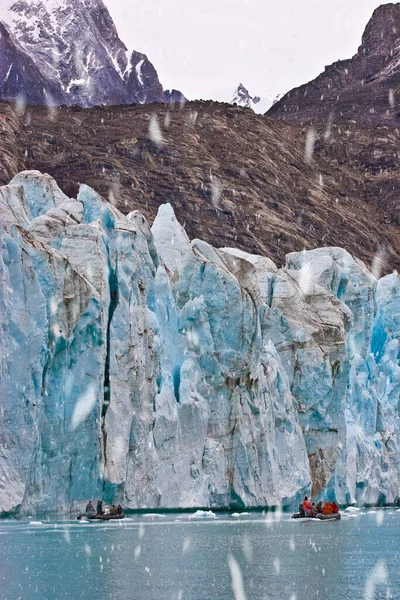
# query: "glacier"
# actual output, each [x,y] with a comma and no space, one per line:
[159,372]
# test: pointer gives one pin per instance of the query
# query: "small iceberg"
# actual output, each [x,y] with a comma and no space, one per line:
[35,523]
[237,515]
[352,509]
[203,514]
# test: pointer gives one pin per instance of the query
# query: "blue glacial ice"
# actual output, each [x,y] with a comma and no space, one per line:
[156,371]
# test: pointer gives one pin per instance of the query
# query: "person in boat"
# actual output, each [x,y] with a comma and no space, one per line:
[119,510]
[89,507]
[335,508]
[314,510]
[106,510]
[301,511]
[100,510]
[113,510]
[319,507]
[307,507]
[327,509]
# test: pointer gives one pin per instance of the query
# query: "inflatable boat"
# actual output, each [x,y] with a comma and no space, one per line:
[320,516]
[93,517]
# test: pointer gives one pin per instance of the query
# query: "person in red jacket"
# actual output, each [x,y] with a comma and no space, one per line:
[335,508]
[307,506]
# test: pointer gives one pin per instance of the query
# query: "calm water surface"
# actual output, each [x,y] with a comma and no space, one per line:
[178,557]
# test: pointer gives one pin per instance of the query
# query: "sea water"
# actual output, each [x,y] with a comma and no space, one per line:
[203,557]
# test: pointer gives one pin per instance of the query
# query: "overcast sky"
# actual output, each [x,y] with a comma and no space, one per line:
[270,46]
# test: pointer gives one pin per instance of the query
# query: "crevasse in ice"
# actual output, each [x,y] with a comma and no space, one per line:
[156,371]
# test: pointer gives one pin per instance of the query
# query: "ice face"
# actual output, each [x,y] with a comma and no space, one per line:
[158,372]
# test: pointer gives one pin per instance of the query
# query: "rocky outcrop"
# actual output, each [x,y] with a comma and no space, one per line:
[163,372]
[362,88]
[63,52]
[350,113]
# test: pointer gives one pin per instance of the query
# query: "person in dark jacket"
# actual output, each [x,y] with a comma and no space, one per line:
[89,507]
[100,510]
[119,510]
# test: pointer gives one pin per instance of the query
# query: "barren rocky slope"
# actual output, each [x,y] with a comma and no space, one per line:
[354,109]
[233,177]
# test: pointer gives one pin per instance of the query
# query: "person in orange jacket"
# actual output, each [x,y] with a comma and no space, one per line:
[327,509]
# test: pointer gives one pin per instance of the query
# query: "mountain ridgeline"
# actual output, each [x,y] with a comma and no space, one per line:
[69,52]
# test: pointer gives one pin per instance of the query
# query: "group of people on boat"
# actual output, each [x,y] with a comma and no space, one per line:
[306,509]
[102,509]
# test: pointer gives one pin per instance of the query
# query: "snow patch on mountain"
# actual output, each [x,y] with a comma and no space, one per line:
[76,48]
[242,97]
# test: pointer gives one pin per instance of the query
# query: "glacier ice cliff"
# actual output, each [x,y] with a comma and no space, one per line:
[156,371]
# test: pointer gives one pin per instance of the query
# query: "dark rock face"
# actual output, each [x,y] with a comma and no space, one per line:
[19,76]
[174,96]
[233,177]
[354,109]
[69,52]
[362,88]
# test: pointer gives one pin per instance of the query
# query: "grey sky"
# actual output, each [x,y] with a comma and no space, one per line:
[269,46]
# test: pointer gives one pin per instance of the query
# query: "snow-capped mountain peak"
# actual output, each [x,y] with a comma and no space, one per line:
[75,46]
[241,97]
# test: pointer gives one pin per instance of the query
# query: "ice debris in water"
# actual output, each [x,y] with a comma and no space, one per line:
[310,145]
[83,407]
[203,513]
[378,576]
[155,133]
[237,578]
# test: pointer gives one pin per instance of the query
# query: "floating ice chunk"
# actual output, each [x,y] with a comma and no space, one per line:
[35,523]
[203,514]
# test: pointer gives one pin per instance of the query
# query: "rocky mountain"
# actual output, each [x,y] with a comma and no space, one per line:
[363,88]
[68,52]
[164,372]
[241,97]
[351,112]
